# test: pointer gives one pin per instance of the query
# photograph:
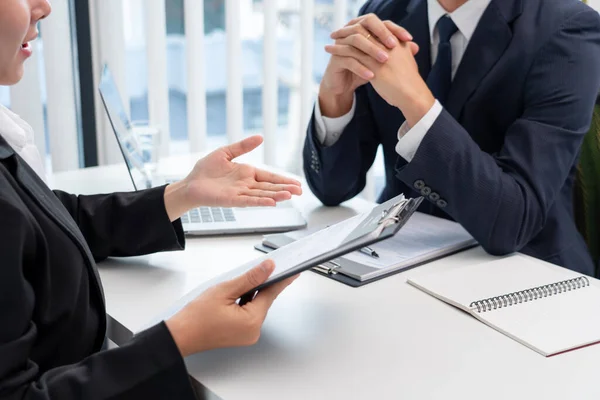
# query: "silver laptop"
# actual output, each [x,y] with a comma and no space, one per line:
[203,220]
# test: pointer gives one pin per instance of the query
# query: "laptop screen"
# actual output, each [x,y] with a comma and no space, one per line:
[122,129]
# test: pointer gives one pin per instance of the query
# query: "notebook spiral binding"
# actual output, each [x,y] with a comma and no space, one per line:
[532,294]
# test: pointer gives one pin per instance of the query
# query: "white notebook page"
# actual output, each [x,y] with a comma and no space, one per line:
[548,325]
[553,324]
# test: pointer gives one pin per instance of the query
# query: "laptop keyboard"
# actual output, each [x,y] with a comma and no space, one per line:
[208,215]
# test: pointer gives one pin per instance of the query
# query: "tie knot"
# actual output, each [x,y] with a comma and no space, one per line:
[446,28]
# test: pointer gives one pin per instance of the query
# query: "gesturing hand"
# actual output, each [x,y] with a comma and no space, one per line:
[214,319]
[216,180]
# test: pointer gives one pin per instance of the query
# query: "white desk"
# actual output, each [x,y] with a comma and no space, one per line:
[324,340]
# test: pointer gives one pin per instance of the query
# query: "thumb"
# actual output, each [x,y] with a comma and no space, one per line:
[242,147]
[249,280]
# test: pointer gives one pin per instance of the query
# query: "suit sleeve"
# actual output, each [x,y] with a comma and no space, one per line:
[125,224]
[149,366]
[503,199]
[338,172]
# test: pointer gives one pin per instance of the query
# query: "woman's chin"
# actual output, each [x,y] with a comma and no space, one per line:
[11,77]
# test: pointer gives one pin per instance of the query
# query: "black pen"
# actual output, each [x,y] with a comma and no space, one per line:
[369,251]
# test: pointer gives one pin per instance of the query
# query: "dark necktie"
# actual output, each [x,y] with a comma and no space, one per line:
[440,77]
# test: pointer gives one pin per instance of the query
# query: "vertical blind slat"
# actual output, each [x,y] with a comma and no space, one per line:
[158,86]
[196,88]
[235,94]
[307,18]
[108,46]
[60,88]
[270,98]
[340,13]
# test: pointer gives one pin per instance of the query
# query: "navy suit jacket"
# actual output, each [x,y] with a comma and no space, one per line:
[502,156]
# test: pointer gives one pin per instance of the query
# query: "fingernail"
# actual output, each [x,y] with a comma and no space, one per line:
[382,56]
[263,266]
[391,41]
[409,36]
[368,75]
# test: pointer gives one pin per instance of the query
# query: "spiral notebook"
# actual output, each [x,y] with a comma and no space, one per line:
[549,309]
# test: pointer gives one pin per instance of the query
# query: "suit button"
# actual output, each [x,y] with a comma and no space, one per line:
[419,184]
[434,197]
[426,191]
[441,203]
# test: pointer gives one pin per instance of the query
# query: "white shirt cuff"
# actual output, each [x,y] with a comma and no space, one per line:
[409,140]
[328,130]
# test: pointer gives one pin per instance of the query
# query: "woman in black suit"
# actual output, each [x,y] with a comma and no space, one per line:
[52,315]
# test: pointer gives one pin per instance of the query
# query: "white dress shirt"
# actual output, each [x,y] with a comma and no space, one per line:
[19,136]
[466,18]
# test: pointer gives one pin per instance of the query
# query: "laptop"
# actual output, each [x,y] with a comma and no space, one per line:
[202,221]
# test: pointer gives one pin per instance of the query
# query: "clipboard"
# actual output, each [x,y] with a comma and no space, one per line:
[330,268]
[383,222]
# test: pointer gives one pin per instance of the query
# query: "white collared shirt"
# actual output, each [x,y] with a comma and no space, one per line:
[466,18]
[19,135]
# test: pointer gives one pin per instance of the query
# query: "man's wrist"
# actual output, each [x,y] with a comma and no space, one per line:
[335,106]
[416,105]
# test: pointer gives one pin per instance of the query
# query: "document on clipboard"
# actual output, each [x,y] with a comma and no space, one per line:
[381,223]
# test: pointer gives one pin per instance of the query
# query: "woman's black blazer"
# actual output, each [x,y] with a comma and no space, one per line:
[52,314]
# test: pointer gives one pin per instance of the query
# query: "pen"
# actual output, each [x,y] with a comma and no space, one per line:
[369,251]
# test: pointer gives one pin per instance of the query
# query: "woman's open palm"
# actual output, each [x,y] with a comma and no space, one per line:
[218,181]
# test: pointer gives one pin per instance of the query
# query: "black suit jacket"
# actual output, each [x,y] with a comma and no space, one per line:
[52,315]
[501,158]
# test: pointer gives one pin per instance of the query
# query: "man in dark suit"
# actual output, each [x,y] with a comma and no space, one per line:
[480,107]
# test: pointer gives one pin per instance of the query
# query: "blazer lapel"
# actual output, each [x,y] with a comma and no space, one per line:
[416,22]
[490,39]
[50,204]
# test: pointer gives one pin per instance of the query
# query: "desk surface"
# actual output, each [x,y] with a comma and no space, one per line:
[325,340]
